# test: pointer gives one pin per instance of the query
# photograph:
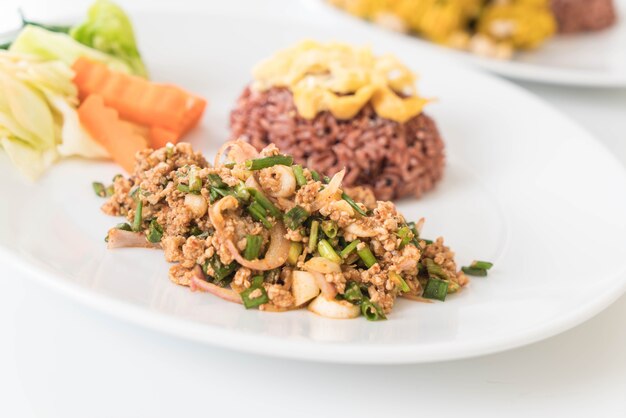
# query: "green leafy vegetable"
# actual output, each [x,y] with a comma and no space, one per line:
[436,289]
[155,232]
[108,29]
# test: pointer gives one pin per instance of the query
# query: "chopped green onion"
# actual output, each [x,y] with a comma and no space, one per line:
[371,310]
[195,183]
[406,235]
[353,293]
[435,270]
[327,251]
[258,212]
[124,226]
[453,287]
[330,228]
[117,176]
[223,192]
[352,203]
[221,272]
[138,213]
[404,287]
[366,255]
[185,189]
[348,249]
[253,247]
[295,249]
[265,202]
[485,265]
[315,175]
[98,188]
[473,271]
[295,217]
[262,298]
[155,232]
[241,192]
[315,225]
[298,173]
[265,162]
[436,289]
[110,190]
[216,181]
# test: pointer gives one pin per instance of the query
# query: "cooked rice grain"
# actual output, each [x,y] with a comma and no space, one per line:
[395,160]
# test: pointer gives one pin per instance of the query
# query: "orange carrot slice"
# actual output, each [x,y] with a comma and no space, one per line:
[116,136]
[138,100]
[159,137]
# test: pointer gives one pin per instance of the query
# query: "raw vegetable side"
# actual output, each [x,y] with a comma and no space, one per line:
[257,230]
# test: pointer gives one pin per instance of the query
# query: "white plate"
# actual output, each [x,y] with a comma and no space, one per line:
[524,187]
[593,59]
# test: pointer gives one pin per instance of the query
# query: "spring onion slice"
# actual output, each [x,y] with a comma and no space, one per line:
[485,265]
[257,287]
[330,228]
[435,270]
[327,251]
[371,310]
[155,232]
[295,249]
[99,189]
[258,212]
[406,235]
[262,200]
[473,271]
[367,256]
[298,173]
[352,203]
[315,175]
[436,289]
[402,284]
[124,226]
[295,217]
[265,162]
[221,272]
[353,293]
[348,249]
[315,225]
[253,247]
[138,214]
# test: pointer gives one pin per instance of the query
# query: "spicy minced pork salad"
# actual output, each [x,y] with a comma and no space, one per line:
[255,229]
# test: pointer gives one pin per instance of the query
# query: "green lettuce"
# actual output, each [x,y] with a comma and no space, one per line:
[108,29]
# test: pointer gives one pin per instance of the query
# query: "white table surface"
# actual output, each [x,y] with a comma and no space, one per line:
[60,359]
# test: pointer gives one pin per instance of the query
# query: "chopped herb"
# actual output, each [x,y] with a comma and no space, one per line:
[110,190]
[295,249]
[330,228]
[295,217]
[216,181]
[435,270]
[395,277]
[326,179]
[256,287]
[353,293]
[221,272]
[406,235]
[371,310]
[348,249]
[155,232]
[366,255]
[315,175]
[265,202]
[315,225]
[485,265]
[298,173]
[436,289]
[352,203]
[98,188]
[253,247]
[265,162]
[327,251]
[213,195]
[473,271]
[138,212]
[124,226]
[258,212]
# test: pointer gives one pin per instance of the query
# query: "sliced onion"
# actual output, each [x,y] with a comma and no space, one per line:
[119,238]
[287,182]
[322,265]
[197,282]
[216,213]
[276,254]
[239,150]
[251,182]
[328,289]
[196,203]
[357,229]
[326,195]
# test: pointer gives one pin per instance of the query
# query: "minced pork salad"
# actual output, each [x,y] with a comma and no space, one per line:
[257,230]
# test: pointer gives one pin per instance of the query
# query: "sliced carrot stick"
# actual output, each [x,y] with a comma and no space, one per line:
[106,127]
[138,100]
[159,137]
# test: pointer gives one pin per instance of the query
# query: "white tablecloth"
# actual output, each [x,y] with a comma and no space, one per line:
[60,359]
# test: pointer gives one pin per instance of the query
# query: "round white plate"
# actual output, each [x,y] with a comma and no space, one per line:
[593,59]
[524,187]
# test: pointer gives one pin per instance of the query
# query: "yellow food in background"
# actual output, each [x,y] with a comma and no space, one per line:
[499,25]
[341,79]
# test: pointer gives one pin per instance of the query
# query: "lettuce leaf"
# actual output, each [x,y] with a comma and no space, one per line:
[48,45]
[108,29]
